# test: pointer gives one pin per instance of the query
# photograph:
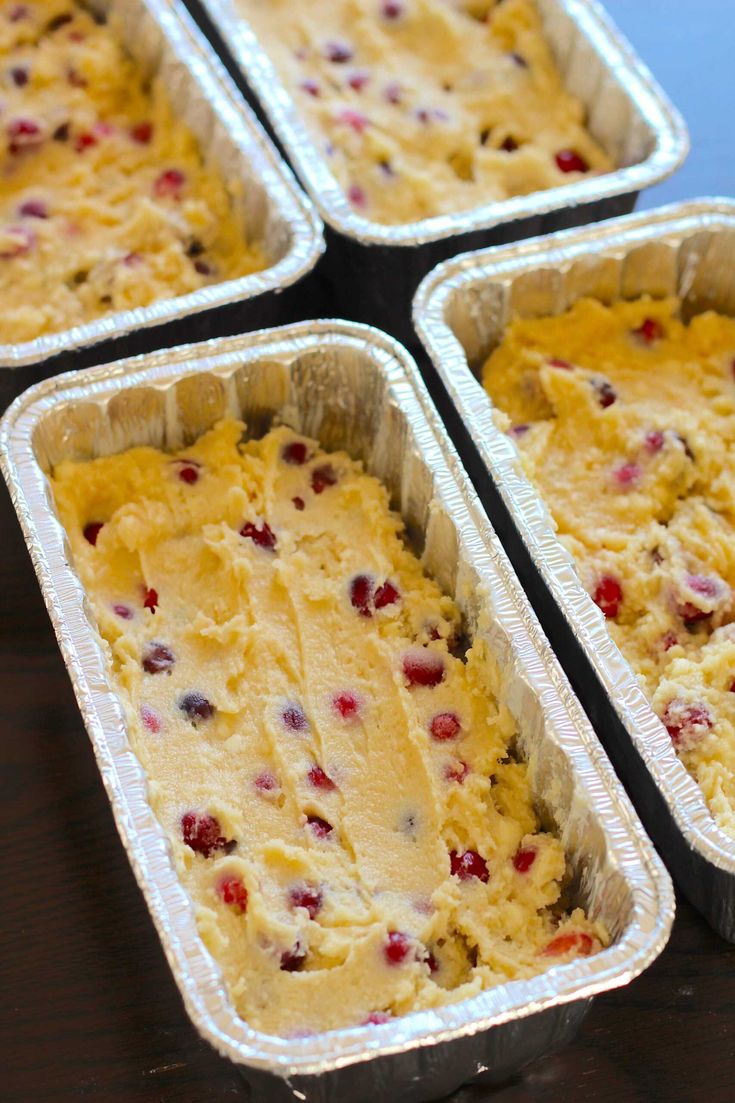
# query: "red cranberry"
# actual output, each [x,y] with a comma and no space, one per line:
[732,687]
[123,611]
[203,267]
[606,393]
[393,92]
[150,600]
[608,595]
[292,961]
[358,80]
[392,9]
[266,782]
[169,185]
[298,503]
[387,594]
[444,726]
[321,828]
[686,723]
[19,242]
[311,87]
[233,893]
[19,76]
[92,531]
[264,536]
[653,441]
[320,779]
[18,13]
[669,640]
[423,668]
[151,719]
[33,208]
[568,160]
[338,52]
[189,474]
[509,145]
[306,896]
[563,943]
[196,706]
[157,658]
[456,771]
[649,330]
[564,365]
[627,475]
[354,119]
[361,594]
[142,133]
[75,79]
[711,589]
[524,858]
[203,833]
[519,430]
[23,133]
[84,141]
[398,947]
[346,704]
[468,865]
[294,718]
[295,452]
[431,115]
[377,1018]
[357,196]
[323,477]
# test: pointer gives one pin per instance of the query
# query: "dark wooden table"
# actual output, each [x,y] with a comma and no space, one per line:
[88,1009]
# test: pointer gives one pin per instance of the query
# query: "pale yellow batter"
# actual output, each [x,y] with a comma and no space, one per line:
[625,419]
[428,107]
[336,785]
[105,203]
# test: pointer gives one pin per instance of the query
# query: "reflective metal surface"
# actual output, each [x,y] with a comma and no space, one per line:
[164,41]
[353,388]
[371,270]
[460,312]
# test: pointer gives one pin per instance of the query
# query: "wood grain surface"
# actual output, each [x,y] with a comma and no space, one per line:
[88,1009]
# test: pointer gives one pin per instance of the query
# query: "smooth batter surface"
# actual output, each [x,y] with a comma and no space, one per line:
[319,758]
[625,418]
[105,204]
[428,107]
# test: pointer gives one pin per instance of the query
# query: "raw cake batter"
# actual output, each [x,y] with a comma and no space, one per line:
[625,419]
[336,785]
[428,107]
[105,204]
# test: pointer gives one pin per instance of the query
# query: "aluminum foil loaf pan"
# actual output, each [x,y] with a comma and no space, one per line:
[354,389]
[372,270]
[164,41]
[461,311]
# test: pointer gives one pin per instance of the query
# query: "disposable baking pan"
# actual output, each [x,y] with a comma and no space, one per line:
[353,388]
[371,270]
[165,42]
[460,312]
